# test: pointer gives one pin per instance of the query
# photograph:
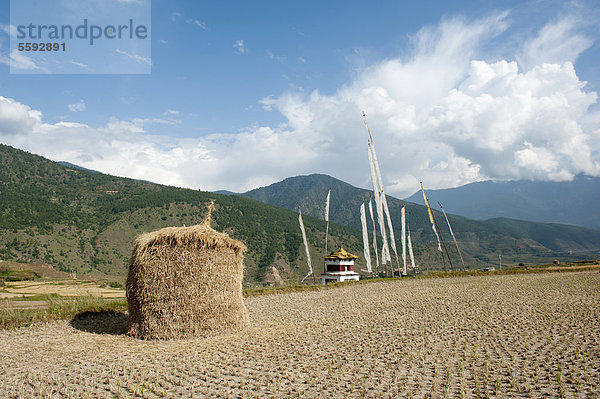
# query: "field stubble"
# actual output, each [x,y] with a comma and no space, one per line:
[534,335]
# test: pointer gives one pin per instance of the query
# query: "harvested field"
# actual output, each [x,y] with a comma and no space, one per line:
[64,288]
[529,335]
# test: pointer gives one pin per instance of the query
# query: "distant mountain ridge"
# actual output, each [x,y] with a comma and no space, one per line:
[225,192]
[574,202]
[483,240]
[73,166]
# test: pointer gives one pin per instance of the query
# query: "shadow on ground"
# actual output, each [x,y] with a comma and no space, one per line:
[105,322]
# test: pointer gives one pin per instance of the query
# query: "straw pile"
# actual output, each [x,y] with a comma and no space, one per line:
[186,282]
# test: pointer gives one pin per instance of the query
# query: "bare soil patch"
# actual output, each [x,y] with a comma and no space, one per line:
[528,335]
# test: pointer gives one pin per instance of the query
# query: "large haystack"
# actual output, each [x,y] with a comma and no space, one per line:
[186,282]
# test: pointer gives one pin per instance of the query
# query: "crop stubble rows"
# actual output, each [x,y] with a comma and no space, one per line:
[534,335]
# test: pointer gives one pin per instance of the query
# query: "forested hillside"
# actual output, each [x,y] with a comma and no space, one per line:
[86,221]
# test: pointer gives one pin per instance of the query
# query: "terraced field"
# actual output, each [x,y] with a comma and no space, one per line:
[64,288]
[533,335]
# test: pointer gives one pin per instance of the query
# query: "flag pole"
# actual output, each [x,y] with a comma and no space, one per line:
[327,228]
[374,236]
[444,244]
[308,261]
[367,125]
[381,202]
[432,217]
[453,236]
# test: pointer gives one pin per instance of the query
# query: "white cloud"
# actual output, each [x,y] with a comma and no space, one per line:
[239,46]
[442,115]
[130,148]
[516,125]
[556,43]
[160,121]
[137,58]
[17,60]
[448,119]
[79,106]
[196,22]
[17,118]
[10,30]
[278,58]
[80,64]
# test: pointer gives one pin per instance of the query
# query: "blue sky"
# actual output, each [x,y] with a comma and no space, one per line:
[243,94]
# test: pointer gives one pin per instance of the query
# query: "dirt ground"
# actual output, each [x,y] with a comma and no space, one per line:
[530,335]
[575,267]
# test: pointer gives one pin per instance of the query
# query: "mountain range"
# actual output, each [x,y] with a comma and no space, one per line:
[483,241]
[572,202]
[85,221]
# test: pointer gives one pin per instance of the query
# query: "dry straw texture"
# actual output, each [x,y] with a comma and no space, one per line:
[186,282]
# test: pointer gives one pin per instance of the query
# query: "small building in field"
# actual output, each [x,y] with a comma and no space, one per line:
[339,267]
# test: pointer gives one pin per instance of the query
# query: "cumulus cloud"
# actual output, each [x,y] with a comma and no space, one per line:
[17,118]
[441,114]
[447,118]
[517,125]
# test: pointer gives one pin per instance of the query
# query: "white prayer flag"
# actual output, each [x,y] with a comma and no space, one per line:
[327,206]
[310,269]
[374,236]
[365,234]
[404,238]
